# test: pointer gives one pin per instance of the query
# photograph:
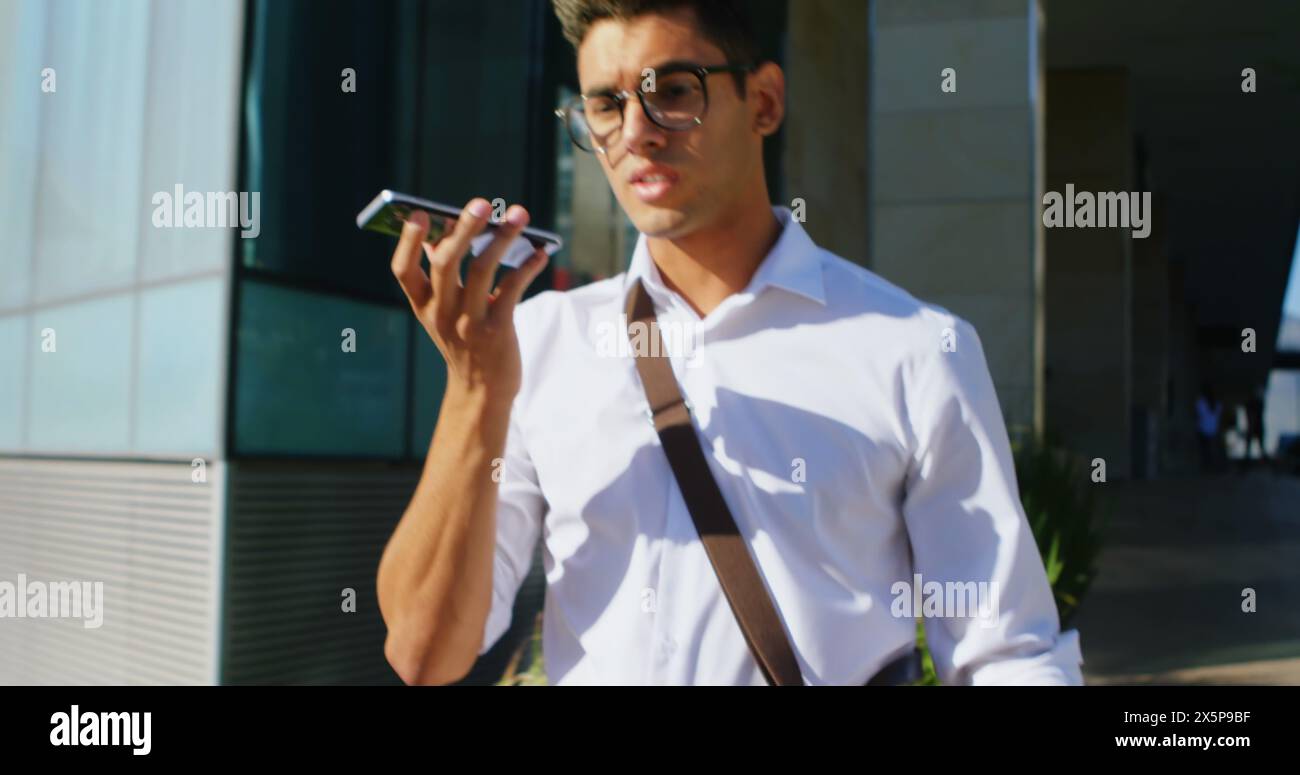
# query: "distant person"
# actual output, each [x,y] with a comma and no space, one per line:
[1208,412]
[1255,423]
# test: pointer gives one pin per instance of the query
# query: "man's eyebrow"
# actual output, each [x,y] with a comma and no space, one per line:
[676,64]
[671,65]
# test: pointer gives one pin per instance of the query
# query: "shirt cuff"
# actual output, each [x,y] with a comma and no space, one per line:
[1058,666]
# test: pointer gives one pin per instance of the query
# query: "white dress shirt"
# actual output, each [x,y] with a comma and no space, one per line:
[854,449]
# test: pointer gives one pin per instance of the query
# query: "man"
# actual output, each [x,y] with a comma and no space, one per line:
[853,431]
[1255,424]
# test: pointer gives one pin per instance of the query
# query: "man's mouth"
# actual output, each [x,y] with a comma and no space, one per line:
[652,183]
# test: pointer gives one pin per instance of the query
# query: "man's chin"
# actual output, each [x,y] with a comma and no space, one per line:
[659,222]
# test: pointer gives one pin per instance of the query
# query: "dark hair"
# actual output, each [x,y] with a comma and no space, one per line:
[724,23]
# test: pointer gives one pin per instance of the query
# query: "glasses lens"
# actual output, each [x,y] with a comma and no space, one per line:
[603,115]
[677,101]
[576,120]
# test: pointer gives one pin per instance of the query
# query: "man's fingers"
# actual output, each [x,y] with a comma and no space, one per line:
[482,270]
[512,288]
[406,261]
[441,286]
[444,261]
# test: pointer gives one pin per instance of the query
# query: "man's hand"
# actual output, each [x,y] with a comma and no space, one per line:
[472,324]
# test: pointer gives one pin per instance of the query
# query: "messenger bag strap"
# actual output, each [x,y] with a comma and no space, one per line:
[737,574]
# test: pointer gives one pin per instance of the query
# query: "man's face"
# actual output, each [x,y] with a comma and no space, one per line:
[704,168]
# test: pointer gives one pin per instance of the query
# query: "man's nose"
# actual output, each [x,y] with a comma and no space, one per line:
[639,132]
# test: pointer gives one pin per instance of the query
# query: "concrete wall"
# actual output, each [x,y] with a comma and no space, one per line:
[955,176]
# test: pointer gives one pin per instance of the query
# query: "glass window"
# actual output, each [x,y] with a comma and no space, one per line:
[22,35]
[80,391]
[451,101]
[13,376]
[329,123]
[179,383]
[427,386]
[442,101]
[90,207]
[193,110]
[298,391]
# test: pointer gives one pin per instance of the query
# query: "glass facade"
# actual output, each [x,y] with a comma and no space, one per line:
[445,101]
[114,328]
[319,374]
[289,360]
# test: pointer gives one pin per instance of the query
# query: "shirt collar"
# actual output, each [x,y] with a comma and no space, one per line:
[793,264]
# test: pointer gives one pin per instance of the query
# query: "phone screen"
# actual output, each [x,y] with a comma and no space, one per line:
[391,216]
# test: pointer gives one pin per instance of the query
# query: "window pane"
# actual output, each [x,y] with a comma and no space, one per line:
[179,384]
[81,390]
[316,153]
[299,392]
[442,102]
[190,129]
[90,207]
[22,35]
[13,379]
[428,384]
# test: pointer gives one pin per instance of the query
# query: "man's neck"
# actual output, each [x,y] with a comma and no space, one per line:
[709,265]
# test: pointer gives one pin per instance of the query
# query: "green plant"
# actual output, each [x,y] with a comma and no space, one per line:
[1062,505]
[526,667]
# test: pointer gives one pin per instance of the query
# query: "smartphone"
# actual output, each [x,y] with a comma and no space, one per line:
[388,211]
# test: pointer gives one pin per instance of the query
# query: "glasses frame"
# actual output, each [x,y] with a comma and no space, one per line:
[622,97]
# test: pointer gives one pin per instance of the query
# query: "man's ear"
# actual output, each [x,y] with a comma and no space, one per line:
[767,95]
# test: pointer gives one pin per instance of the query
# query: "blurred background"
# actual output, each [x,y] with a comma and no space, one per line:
[200,442]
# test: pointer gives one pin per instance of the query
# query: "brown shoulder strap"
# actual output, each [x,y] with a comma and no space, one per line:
[723,543]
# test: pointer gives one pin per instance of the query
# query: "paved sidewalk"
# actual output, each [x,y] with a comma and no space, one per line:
[1167,604]
[1274,672]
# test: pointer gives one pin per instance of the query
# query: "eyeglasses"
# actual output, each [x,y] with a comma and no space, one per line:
[677,100]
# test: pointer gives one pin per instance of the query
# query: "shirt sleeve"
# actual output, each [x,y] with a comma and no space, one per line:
[967,526]
[519,513]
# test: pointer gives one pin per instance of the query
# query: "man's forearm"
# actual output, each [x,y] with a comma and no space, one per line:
[435,577]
